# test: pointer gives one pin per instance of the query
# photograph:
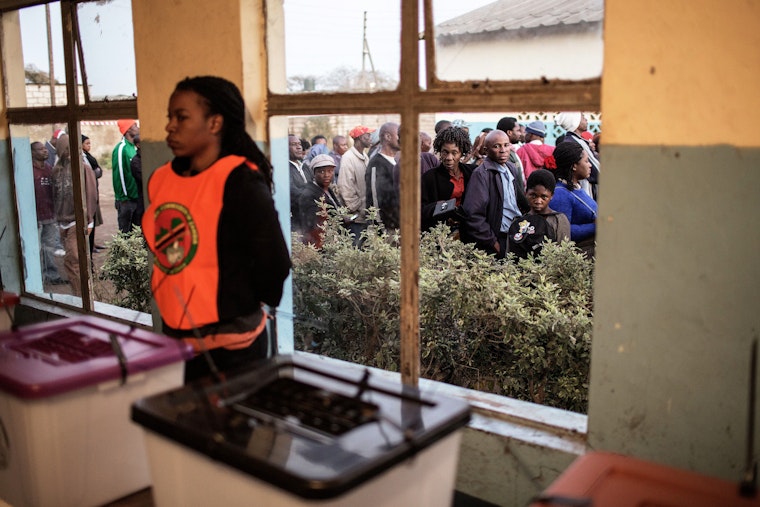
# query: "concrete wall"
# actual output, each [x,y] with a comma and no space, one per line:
[678,241]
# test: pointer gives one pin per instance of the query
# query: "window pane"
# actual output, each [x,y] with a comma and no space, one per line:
[38,58]
[340,46]
[506,40]
[45,197]
[346,288]
[521,329]
[108,47]
[120,262]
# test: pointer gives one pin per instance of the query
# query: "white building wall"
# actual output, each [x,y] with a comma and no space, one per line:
[561,56]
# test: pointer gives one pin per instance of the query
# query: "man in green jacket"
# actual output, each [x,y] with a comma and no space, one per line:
[124,184]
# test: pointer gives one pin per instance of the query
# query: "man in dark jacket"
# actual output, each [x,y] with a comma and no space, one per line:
[381,191]
[495,196]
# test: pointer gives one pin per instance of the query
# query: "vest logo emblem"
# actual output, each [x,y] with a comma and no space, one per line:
[176,238]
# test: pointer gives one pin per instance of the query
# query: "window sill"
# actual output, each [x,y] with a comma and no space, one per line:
[64,305]
[501,416]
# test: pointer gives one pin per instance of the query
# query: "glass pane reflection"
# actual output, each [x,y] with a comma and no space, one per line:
[106,30]
[45,196]
[38,32]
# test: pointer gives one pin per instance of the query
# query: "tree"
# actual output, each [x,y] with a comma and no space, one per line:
[340,79]
[35,75]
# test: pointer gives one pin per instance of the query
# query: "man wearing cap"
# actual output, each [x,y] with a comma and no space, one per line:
[314,195]
[351,182]
[576,124]
[124,184]
[534,152]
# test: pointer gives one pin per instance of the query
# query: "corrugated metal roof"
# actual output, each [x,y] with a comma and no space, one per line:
[508,15]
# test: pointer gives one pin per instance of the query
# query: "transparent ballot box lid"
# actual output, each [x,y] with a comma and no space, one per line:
[303,425]
[56,357]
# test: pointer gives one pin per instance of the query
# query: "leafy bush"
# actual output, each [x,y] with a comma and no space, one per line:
[518,329]
[126,266]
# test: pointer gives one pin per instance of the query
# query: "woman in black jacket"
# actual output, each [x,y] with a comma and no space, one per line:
[443,187]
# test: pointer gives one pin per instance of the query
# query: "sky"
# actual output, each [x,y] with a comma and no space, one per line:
[106,30]
[320,36]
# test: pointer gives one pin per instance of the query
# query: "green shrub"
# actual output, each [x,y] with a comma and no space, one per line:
[518,329]
[127,268]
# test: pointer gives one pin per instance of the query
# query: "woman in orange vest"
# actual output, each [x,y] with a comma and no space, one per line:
[212,227]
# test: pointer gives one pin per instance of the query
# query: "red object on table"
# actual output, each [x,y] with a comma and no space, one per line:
[607,480]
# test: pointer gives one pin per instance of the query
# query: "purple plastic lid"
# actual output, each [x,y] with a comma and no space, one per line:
[47,359]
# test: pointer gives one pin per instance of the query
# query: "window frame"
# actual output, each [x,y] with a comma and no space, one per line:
[409,100]
[72,113]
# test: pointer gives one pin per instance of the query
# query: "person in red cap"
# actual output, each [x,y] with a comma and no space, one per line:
[351,184]
[124,184]
[50,145]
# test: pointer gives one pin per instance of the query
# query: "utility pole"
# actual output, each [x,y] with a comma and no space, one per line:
[367,55]
[51,71]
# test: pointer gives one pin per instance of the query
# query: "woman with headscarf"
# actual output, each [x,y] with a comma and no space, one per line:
[63,200]
[219,250]
[573,167]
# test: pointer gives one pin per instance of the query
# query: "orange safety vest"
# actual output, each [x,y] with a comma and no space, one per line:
[180,226]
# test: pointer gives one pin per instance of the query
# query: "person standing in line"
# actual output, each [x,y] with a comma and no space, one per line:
[575,123]
[135,166]
[50,146]
[124,185]
[219,251]
[495,196]
[340,147]
[313,195]
[98,171]
[445,181]
[573,166]
[427,159]
[47,227]
[509,126]
[300,176]
[352,187]
[534,153]
[63,198]
[381,190]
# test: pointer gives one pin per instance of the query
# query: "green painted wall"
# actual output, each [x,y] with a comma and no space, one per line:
[676,304]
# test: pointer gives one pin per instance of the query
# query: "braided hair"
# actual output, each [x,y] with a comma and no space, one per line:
[224,98]
[567,154]
[455,135]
